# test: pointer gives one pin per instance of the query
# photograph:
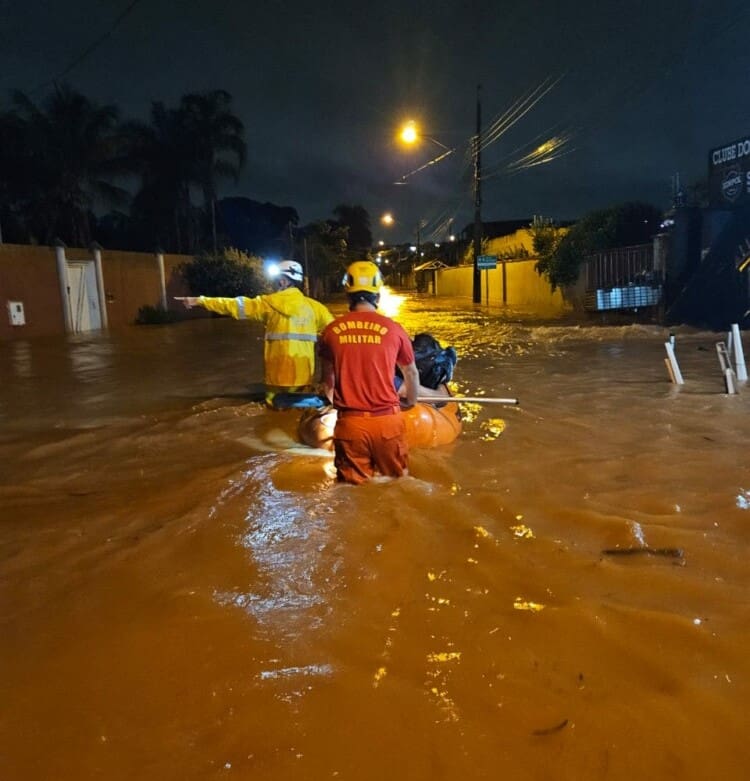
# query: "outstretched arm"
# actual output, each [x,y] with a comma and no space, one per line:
[188,301]
[239,307]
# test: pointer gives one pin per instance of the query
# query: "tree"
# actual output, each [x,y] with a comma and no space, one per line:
[262,228]
[13,178]
[560,257]
[324,249]
[192,145]
[218,146]
[161,153]
[58,162]
[357,221]
[229,273]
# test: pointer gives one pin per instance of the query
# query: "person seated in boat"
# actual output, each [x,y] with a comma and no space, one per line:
[435,365]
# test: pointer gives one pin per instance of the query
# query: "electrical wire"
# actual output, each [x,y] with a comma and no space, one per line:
[90,49]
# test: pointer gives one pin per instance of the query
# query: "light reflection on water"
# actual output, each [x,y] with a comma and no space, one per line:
[285,540]
[184,596]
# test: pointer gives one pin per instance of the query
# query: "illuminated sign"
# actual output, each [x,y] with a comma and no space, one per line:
[729,174]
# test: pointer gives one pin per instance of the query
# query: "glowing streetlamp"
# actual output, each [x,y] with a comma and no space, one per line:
[411,134]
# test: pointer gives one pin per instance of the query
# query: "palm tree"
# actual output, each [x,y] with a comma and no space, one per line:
[161,153]
[357,220]
[65,164]
[12,177]
[181,148]
[219,148]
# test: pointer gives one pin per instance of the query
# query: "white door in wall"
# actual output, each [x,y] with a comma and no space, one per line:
[83,296]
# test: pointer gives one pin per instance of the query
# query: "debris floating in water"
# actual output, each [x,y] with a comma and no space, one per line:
[550,730]
[673,553]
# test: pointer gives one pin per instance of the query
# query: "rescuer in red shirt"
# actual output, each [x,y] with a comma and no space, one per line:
[359,352]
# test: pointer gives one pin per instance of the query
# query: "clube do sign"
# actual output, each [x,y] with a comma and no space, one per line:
[729,173]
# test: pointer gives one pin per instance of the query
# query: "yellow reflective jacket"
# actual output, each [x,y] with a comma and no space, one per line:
[292,322]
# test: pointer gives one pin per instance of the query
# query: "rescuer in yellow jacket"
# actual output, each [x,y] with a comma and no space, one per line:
[293,322]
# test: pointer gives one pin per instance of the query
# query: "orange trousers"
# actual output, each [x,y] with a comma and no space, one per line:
[366,445]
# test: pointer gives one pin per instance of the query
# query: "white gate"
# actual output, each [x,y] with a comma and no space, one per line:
[83,296]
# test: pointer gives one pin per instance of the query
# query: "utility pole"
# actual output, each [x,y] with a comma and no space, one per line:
[477,279]
[307,275]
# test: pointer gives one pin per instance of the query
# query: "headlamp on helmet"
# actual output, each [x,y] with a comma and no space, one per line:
[290,269]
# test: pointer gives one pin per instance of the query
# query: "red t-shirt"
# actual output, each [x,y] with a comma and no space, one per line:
[364,348]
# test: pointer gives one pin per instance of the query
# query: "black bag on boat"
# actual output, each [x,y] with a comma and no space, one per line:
[435,364]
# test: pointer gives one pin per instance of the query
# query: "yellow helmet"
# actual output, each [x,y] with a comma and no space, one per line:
[363,276]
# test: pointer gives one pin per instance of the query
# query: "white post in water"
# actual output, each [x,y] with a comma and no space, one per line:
[162,280]
[739,354]
[672,366]
[62,277]
[730,378]
[96,251]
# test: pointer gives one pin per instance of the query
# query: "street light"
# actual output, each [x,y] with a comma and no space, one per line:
[388,220]
[411,134]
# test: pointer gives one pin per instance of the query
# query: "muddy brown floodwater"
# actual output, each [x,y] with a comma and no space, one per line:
[186,594]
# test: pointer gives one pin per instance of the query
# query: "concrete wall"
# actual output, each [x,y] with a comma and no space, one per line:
[131,280]
[524,288]
[514,282]
[29,275]
[511,246]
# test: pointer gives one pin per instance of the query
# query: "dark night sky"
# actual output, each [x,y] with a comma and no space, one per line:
[642,90]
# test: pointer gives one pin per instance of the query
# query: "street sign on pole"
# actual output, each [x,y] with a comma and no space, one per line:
[486,262]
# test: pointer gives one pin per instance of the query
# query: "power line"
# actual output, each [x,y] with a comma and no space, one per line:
[90,49]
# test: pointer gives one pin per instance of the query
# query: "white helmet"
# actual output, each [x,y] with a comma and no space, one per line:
[292,270]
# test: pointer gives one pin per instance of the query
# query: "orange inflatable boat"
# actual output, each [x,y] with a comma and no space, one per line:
[427,425]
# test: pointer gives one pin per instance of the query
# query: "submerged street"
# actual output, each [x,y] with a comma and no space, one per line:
[186,593]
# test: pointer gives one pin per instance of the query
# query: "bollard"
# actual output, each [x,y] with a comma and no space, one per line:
[729,381]
[672,367]
[730,378]
[738,353]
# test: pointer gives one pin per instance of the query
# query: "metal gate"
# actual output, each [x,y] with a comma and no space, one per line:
[623,278]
